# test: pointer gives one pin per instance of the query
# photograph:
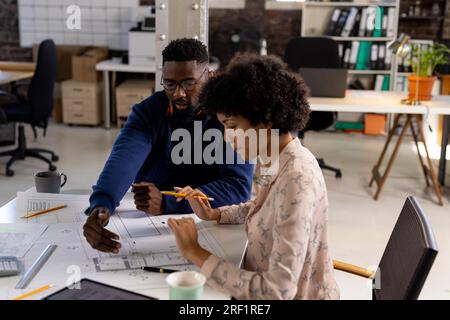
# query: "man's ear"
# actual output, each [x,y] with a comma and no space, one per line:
[211,74]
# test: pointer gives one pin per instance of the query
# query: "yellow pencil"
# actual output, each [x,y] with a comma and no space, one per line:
[26,295]
[182,195]
[44,212]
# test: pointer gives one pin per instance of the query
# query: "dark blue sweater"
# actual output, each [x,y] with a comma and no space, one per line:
[142,153]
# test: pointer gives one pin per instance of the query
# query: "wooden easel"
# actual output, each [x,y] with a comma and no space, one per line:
[428,171]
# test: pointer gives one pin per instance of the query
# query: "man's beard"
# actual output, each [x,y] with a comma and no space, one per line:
[181,118]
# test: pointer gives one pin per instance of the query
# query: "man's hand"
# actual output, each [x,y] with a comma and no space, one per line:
[97,235]
[148,198]
[202,208]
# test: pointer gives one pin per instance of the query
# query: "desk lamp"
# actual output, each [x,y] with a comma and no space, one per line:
[401,48]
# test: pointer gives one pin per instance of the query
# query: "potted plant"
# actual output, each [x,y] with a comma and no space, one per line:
[424,62]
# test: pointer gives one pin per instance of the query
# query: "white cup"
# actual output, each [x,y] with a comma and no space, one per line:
[186,285]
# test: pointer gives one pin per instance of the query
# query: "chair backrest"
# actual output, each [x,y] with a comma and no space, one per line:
[314,52]
[408,256]
[40,92]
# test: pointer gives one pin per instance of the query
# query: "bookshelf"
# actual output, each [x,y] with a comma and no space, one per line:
[372,39]
[422,18]
[369,72]
[316,17]
[373,69]
[348,4]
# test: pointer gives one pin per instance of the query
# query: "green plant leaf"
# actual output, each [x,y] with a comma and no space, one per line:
[428,59]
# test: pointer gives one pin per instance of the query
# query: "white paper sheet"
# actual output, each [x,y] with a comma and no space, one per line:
[17,239]
[148,241]
[30,202]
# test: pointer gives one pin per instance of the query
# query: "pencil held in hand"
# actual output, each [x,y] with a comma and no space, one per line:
[182,195]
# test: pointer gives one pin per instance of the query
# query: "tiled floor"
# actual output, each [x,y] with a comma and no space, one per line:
[359,226]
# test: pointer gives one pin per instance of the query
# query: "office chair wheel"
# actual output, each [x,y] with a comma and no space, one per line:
[52,168]
[9,173]
[55,158]
[339,174]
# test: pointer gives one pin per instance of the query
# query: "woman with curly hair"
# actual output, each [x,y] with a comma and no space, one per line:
[287,255]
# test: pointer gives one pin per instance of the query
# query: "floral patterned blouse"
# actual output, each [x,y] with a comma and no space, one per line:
[287,254]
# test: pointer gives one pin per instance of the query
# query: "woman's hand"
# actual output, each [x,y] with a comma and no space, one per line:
[186,236]
[202,208]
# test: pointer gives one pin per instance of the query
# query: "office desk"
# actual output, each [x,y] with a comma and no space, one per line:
[17,66]
[7,77]
[11,71]
[113,66]
[231,237]
[388,103]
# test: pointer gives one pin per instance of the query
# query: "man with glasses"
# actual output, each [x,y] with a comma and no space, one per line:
[141,154]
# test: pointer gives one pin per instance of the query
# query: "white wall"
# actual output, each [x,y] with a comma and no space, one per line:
[103,22]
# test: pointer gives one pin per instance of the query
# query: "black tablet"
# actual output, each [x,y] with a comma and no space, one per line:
[93,290]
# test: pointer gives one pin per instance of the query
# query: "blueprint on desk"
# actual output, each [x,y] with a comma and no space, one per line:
[146,241]
[16,239]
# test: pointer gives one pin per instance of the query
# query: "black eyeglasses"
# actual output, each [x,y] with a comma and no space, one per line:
[187,85]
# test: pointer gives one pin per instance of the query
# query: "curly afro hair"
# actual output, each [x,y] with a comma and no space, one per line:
[260,89]
[186,50]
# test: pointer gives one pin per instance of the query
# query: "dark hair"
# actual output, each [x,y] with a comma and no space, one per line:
[186,50]
[260,89]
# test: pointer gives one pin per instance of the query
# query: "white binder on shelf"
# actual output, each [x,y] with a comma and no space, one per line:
[333,21]
[350,22]
[363,22]
[354,54]
[347,57]
[391,22]
[381,56]
[374,56]
[388,59]
[379,82]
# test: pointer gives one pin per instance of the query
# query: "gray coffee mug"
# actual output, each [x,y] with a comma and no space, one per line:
[49,182]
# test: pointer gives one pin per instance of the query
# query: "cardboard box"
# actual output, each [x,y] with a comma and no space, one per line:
[81,102]
[83,65]
[79,111]
[64,56]
[130,93]
[80,90]
[374,124]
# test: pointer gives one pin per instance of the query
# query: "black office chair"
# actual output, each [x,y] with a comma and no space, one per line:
[35,109]
[407,259]
[315,53]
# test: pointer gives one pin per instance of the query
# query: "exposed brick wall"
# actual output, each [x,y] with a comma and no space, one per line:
[9,33]
[446,31]
[276,26]
[427,29]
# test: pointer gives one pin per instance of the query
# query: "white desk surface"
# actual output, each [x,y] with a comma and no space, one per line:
[117,66]
[231,237]
[379,102]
